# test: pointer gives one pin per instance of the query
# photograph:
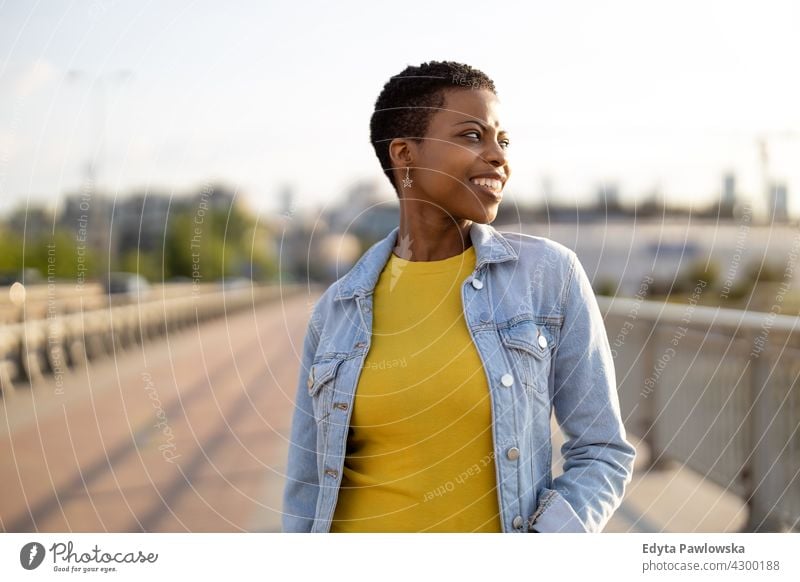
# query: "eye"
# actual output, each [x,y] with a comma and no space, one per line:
[477,134]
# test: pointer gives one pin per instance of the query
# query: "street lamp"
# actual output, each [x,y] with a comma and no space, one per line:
[99,214]
[98,84]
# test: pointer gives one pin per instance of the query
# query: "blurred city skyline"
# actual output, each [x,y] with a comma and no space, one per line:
[639,98]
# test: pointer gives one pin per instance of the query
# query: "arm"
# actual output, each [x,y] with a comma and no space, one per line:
[598,460]
[302,486]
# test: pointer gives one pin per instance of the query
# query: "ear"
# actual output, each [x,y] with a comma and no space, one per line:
[400,152]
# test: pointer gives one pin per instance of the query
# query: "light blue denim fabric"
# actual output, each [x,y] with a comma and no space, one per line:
[534,319]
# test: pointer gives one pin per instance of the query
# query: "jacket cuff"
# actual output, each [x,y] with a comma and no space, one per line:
[555,515]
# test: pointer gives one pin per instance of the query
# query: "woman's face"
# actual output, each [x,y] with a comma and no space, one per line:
[464,145]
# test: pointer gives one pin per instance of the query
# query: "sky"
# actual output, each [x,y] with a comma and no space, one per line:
[265,95]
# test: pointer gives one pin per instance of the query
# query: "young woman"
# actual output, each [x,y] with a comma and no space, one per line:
[429,371]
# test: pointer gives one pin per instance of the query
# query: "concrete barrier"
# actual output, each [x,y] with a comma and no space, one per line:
[38,347]
[715,390]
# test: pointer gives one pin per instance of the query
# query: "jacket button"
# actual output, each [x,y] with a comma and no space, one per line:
[542,341]
[310,381]
[517,523]
[361,344]
[477,283]
[512,453]
[332,473]
[341,405]
[507,380]
[485,317]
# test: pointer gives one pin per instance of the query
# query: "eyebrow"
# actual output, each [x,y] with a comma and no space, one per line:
[483,125]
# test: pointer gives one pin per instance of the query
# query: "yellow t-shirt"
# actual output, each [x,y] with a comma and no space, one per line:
[420,448]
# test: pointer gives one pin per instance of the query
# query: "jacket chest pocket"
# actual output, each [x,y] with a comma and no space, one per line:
[529,346]
[321,384]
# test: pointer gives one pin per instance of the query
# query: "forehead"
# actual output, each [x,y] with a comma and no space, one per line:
[468,105]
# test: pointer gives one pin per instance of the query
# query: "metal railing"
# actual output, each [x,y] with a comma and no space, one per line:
[716,390]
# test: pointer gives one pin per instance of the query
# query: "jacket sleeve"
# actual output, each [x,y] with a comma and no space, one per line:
[598,460]
[302,483]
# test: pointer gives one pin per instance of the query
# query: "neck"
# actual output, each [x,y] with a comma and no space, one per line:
[422,238]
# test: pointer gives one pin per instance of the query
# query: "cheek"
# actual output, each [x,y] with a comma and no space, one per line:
[450,165]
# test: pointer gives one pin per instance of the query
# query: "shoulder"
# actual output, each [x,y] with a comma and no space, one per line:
[541,251]
[323,305]
[330,304]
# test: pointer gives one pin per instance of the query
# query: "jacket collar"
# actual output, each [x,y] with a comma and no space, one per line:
[490,247]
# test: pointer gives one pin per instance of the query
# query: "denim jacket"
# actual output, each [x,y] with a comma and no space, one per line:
[535,322]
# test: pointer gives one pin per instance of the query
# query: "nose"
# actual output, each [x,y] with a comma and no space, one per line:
[495,155]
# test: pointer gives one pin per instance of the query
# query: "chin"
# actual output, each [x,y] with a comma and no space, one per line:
[487,215]
[480,213]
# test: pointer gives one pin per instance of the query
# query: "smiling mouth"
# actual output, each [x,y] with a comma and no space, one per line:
[492,188]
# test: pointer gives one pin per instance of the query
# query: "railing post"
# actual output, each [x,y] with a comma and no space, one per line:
[656,460]
[9,366]
[763,473]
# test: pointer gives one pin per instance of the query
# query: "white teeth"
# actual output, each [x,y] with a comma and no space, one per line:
[490,183]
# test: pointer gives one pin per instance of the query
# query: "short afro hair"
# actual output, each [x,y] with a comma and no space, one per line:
[409,100]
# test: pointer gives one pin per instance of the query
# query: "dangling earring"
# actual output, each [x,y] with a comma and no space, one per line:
[407,181]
